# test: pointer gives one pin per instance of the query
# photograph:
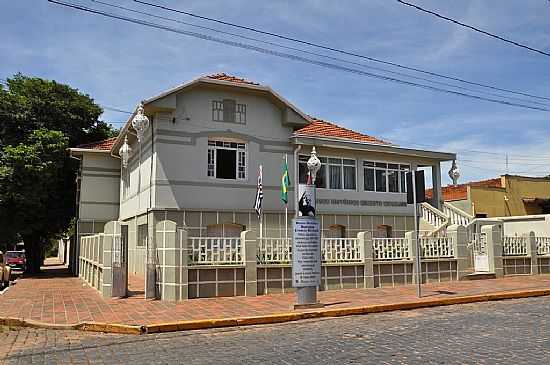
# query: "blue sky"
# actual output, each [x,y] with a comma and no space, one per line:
[119,64]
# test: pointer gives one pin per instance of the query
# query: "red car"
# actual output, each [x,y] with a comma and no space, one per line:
[15,259]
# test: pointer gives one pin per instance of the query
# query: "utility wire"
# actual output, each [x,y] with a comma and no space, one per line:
[288,55]
[475,29]
[316,54]
[341,51]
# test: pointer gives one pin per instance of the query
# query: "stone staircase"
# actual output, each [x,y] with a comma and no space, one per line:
[434,222]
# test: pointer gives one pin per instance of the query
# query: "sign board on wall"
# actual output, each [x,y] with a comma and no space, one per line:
[306,252]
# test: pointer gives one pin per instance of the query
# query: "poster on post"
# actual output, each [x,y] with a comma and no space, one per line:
[306,200]
[306,252]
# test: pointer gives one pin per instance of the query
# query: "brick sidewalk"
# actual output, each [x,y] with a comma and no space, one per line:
[56,297]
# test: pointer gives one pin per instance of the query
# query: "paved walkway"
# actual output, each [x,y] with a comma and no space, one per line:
[56,297]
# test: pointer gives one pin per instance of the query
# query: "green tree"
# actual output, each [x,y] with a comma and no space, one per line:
[39,120]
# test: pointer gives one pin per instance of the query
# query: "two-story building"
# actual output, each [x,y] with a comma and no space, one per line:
[198,160]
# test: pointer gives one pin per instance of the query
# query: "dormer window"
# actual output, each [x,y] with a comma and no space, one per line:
[227,110]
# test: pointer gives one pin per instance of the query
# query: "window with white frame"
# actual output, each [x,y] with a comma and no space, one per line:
[335,173]
[226,160]
[384,177]
[227,110]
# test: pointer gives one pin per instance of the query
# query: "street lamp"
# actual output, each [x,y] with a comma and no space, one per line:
[140,123]
[454,172]
[125,152]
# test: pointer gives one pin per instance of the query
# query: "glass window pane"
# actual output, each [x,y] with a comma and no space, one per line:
[302,172]
[403,182]
[322,159]
[335,177]
[349,177]
[336,161]
[321,179]
[393,181]
[302,158]
[368,163]
[381,164]
[349,162]
[404,167]
[369,179]
[381,180]
[393,166]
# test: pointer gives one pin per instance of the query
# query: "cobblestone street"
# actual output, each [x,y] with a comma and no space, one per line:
[512,332]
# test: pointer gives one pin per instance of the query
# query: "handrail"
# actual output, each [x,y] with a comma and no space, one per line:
[435,217]
[453,212]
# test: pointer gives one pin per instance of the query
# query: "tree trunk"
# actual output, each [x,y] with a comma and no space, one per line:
[33,254]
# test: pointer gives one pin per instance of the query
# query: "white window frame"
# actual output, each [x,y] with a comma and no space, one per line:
[327,173]
[240,150]
[400,176]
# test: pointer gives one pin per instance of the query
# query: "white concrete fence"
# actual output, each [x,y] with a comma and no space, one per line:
[194,267]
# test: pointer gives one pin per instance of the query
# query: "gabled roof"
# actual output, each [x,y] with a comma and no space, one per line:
[460,191]
[322,128]
[215,79]
[99,146]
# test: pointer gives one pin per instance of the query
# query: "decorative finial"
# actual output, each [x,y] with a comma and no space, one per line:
[454,173]
[140,122]
[125,152]
[313,166]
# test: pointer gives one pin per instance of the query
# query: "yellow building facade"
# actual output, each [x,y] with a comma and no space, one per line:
[508,195]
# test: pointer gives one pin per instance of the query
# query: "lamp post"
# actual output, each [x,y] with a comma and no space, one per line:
[140,123]
[306,243]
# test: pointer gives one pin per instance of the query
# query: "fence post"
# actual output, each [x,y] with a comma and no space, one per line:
[532,253]
[169,253]
[107,286]
[184,260]
[249,247]
[365,246]
[410,236]
[459,236]
[494,248]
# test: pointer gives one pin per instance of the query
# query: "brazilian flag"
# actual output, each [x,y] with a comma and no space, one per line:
[285,183]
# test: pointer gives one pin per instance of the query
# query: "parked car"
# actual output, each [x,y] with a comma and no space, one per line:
[5,272]
[15,259]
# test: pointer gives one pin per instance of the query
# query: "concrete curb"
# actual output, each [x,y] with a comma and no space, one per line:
[272,318]
[339,312]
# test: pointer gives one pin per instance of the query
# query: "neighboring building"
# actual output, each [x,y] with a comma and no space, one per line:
[197,165]
[507,195]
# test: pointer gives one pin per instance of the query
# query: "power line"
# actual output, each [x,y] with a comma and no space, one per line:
[517,44]
[341,51]
[314,53]
[289,56]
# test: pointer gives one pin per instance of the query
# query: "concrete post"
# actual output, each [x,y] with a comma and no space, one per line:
[365,246]
[169,253]
[249,248]
[459,236]
[494,248]
[436,184]
[184,261]
[410,236]
[532,253]
[108,238]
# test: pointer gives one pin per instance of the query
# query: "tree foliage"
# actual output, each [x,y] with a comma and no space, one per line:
[39,120]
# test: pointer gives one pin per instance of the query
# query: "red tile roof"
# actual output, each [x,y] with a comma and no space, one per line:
[322,128]
[225,77]
[460,191]
[104,145]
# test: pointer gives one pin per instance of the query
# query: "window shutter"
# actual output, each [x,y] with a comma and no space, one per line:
[229,107]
